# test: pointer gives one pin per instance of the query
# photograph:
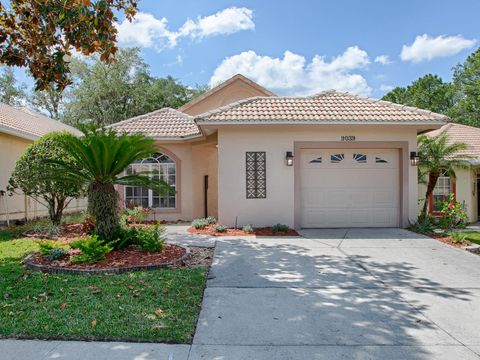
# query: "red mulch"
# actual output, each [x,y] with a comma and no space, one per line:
[266,231]
[131,256]
[448,240]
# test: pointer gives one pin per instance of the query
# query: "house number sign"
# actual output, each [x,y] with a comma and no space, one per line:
[347,138]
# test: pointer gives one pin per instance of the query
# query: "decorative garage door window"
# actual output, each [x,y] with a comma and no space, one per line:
[164,169]
[256,175]
[317,160]
[380,160]
[337,158]
[360,158]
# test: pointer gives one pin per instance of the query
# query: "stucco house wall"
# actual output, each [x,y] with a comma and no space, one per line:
[276,140]
[194,160]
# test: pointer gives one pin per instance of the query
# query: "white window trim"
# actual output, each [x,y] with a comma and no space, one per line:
[150,191]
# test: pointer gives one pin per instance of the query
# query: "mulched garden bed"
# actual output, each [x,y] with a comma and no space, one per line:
[69,231]
[448,240]
[116,261]
[266,231]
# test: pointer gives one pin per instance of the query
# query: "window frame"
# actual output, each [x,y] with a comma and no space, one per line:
[453,191]
[176,161]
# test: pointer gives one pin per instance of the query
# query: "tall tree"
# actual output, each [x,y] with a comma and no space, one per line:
[107,93]
[466,81]
[428,92]
[40,35]
[11,93]
[49,100]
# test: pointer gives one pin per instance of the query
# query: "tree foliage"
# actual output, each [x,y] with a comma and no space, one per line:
[466,80]
[107,93]
[428,92]
[437,154]
[41,34]
[49,100]
[31,167]
[11,93]
[459,99]
[102,157]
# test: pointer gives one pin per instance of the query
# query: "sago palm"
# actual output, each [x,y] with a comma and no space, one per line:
[103,156]
[437,154]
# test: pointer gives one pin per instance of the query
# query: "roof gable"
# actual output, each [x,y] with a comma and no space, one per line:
[234,89]
[327,107]
[165,123]
[27,124]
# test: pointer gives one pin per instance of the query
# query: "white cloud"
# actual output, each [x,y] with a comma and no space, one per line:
[149,32]
[292,75]
[146,31]
[383,59]
[224,22]
[426,47]
[386,88]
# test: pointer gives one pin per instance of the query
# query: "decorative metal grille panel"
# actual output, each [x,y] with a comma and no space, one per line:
[256,175]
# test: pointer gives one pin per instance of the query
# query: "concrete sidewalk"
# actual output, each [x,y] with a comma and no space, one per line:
[80,350]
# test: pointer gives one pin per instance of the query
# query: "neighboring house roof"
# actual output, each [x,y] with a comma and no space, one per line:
[458,133]
[329,107]
[254,89]
[27,124]
[161,124]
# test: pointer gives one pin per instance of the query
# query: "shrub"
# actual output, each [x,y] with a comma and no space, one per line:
[211,220]
[280,228]
[123,237]
[45,227]
[47,246]
[457,237]
[221,228]
[248,229]
[424,225]
[136,215]
[200,224]
[55,254]
[29,175]
[151,238]
[88,225]
[92,248]
[453,216]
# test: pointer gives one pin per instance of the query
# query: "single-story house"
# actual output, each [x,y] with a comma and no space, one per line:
[246,156]
[466,184]
[20,127]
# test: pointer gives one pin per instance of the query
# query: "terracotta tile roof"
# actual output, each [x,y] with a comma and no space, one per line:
[28,124]
[458,133]
[163,123]
[326,107]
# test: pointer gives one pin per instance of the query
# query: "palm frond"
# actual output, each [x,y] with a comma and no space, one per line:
[158,186]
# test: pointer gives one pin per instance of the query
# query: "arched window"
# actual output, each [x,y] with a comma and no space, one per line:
[166,170]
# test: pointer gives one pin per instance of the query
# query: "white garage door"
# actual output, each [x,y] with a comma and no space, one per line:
[349,188]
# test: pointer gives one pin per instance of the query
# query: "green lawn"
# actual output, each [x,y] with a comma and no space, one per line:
[473,236]
[159,306]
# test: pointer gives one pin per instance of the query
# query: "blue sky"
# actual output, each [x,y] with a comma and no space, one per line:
[302,47]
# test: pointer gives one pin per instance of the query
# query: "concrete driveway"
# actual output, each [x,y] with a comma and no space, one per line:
[340,294]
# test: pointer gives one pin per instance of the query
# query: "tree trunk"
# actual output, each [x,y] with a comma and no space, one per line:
[55,210]
[103,207]
[432,181]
